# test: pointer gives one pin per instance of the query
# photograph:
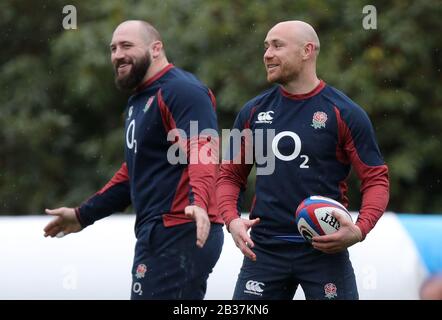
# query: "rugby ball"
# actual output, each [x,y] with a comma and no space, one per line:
[314,216]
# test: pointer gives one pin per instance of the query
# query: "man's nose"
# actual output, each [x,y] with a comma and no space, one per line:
[117,54]
[268,54]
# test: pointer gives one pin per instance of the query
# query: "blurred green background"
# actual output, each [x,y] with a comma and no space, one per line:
[61,118]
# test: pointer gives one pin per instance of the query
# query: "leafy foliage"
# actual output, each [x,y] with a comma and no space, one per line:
[61,116]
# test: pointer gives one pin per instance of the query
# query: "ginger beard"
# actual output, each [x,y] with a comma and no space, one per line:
[283,72]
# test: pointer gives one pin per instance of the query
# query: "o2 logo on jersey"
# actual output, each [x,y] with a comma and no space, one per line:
[131,142]
[297,141]
[265,157]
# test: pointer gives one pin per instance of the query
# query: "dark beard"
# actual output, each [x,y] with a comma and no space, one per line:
[135,76]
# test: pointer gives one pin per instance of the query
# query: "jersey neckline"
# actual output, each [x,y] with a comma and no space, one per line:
[307,95]
[154,78]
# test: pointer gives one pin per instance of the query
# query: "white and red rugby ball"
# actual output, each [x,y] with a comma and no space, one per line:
[314,216]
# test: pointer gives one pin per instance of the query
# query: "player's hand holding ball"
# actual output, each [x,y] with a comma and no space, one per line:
[326,224]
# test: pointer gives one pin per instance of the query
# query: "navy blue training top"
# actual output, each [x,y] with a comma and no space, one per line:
[158,115]
[316,138]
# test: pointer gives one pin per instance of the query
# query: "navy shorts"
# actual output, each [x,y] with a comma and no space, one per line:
[169,265]
[280,268]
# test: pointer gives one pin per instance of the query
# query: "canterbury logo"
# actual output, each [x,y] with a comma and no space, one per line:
[254,287]
[265,117]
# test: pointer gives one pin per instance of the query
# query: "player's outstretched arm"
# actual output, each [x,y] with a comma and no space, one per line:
[64,222]
[238,229]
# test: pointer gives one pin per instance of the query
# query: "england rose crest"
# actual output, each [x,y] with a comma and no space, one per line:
[330,290]
[141,271]
[319,119]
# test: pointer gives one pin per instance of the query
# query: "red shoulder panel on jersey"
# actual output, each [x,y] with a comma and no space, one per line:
[120,176]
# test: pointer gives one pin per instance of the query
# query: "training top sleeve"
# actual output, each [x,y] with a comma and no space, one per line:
[188,112]
[113,197]
[234,169]
[358,141]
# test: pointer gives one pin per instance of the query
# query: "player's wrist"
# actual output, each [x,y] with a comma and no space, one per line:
[358,233]
[229,222]
[79,217]
[200,204]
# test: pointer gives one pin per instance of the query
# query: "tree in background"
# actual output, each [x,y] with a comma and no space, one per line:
[61,119]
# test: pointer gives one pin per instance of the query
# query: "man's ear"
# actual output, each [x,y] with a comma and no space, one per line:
[308,50]
[155,49]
